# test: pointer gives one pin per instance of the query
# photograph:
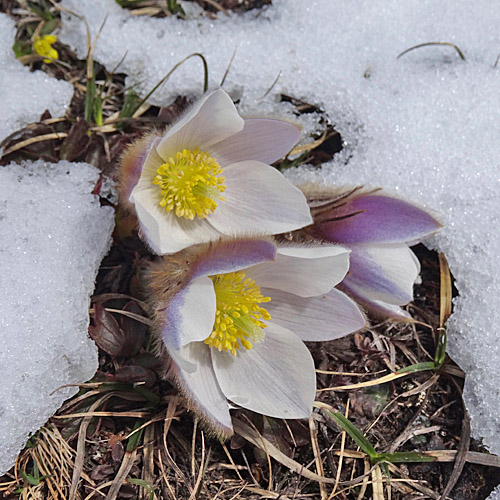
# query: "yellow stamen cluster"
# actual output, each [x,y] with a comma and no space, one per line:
[43,47]
[190,183]
[239,317]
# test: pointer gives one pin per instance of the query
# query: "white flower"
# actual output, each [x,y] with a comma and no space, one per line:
[209,176]
[235,322]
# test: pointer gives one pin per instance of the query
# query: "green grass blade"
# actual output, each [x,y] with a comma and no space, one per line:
[144,484]
[418,367]
[354,433]
[135,439]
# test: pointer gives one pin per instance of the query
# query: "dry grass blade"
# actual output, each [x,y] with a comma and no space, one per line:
[259,441]
[420,487]
[33,140]
[137,317]
[382,380]
[80,448]
[121,475]
[427,44]
[313,431]
[228,68]
[310,146]
[445,290]
[364,485]
[461,456]
[148,473]
[129,414]
[215,5]
[265,493]
[473,457]
[201,471]
[54,459]
[341,456]
[103,297]
[377,484]
[230,458]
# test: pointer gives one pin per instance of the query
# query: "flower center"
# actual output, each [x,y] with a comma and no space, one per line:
[239,317]
[190,183]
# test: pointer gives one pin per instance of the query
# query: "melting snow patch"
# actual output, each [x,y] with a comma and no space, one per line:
[425,126]
[53,236]
[25,95]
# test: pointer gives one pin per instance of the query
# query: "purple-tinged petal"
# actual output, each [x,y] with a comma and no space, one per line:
[261,140]
[190,315]
[201,388]
[137,156]
[275,378]
[230,256]
[322,318]
[382,272]
[305,271]
[210,121]
[259,200]
[375,219]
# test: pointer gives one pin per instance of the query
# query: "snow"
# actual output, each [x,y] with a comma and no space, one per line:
[425,126]
[495,494]
[53,236]
[25,95]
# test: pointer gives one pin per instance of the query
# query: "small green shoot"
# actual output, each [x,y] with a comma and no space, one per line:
[144,484]
[34,478]
[49,27]
[365,445]
[41,10]
[136,437]
[22,48]
[175,8]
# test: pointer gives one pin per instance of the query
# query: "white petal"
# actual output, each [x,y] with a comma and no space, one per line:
[303,271]
[378,308]
[383,272]
[326,317]
[260,140]
[276,377]
[418,279]
[211,120]
[163,231]
[191,314]
[202,389]
[385,309]
[259,200]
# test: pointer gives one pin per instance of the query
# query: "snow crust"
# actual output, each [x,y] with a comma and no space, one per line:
[53,236]
[25,95]
[425,127]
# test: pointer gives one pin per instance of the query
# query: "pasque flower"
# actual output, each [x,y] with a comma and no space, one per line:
[208,176]
[233,316]
[378,229]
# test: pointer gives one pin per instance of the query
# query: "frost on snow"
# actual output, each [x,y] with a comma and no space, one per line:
[425,126]
[25,95]
[53,235]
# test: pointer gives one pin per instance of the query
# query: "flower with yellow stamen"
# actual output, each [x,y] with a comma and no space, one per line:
[209,176]
[233,316]
[43,47]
